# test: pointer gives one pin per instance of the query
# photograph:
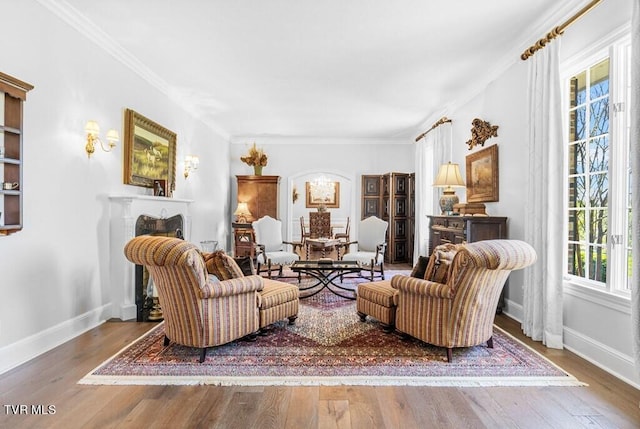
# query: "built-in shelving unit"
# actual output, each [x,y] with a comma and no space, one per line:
[13,93]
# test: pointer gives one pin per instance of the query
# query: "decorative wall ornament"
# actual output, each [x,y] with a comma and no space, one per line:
[294,194]
[481,131]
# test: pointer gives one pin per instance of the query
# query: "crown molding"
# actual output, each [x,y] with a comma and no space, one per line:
[90,30]
[308,140]
[63,10]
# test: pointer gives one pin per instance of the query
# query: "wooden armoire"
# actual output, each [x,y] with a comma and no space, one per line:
[261,193]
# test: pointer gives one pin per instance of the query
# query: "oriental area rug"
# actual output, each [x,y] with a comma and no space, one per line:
[329,345]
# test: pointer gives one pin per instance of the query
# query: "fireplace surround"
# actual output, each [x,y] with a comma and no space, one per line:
[124,213]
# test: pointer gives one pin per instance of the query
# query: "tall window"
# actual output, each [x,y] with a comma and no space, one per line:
[599,175]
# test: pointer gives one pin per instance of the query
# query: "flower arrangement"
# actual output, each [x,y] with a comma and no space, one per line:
[255,158]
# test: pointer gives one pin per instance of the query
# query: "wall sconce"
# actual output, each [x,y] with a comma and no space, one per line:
[448,177]
[242,213]
[93,129]
[191,163]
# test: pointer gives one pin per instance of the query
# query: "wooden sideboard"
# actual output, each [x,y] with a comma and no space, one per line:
[467,229]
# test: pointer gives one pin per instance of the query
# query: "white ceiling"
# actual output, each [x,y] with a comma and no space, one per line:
[375,69]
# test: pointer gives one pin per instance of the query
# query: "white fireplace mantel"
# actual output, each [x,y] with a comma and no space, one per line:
[124,210]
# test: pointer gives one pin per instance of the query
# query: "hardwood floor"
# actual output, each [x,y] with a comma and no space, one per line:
[50,380]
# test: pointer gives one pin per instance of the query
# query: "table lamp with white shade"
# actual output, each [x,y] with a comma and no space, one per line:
[449,177]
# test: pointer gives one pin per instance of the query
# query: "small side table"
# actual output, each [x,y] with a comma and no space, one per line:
[322,243]
[243,240]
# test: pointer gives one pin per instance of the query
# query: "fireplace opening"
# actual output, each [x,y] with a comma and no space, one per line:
[146,307]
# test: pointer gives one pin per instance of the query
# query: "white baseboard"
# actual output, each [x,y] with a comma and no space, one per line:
[28,348]
[615,363]
[513,310]
[604,357]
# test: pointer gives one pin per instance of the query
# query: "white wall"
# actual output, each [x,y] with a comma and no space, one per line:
[596,327]
[55,272]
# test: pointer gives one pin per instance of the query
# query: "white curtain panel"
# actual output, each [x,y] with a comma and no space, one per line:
[423,196]
[544,214]
[635,168]
[442,152]
[432,151]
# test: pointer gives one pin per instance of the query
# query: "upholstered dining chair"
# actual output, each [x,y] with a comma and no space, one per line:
[271,248]
[455,304]
[371,244]
[198,312]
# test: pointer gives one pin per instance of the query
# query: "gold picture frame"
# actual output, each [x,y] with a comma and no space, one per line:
[483,176]
[332,202]
[149,152]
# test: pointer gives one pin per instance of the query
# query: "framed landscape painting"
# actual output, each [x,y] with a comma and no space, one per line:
[482,175]
[149,153]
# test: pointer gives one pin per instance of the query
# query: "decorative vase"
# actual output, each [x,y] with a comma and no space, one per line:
[257,170]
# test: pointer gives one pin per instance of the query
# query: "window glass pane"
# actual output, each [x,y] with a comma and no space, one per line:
[576,157]
[576,260]
[598,190]
[577,192]
[599,154]
[597,263]
[576,225]
[577,124]
[599,117]
[577,89]
[599,77]
[598,226]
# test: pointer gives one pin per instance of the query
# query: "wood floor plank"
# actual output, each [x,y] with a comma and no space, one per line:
[487,410]
[395,408]
[303,409]
[364,409]
[334,414]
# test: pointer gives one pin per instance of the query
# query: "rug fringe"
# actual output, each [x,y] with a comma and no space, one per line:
[335,381]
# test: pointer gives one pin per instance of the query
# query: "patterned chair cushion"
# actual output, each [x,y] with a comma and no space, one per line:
[222,265]
[442,260]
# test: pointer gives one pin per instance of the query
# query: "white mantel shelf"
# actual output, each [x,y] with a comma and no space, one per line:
[150,198]
[124,211]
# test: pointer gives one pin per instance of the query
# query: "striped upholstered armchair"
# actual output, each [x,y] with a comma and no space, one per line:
[197,311]
[455,305]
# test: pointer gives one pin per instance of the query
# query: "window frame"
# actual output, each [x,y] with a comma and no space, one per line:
[613,291]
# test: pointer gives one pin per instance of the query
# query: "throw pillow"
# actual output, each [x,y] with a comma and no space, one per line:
[442,263]
[222,265]
[420,268]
